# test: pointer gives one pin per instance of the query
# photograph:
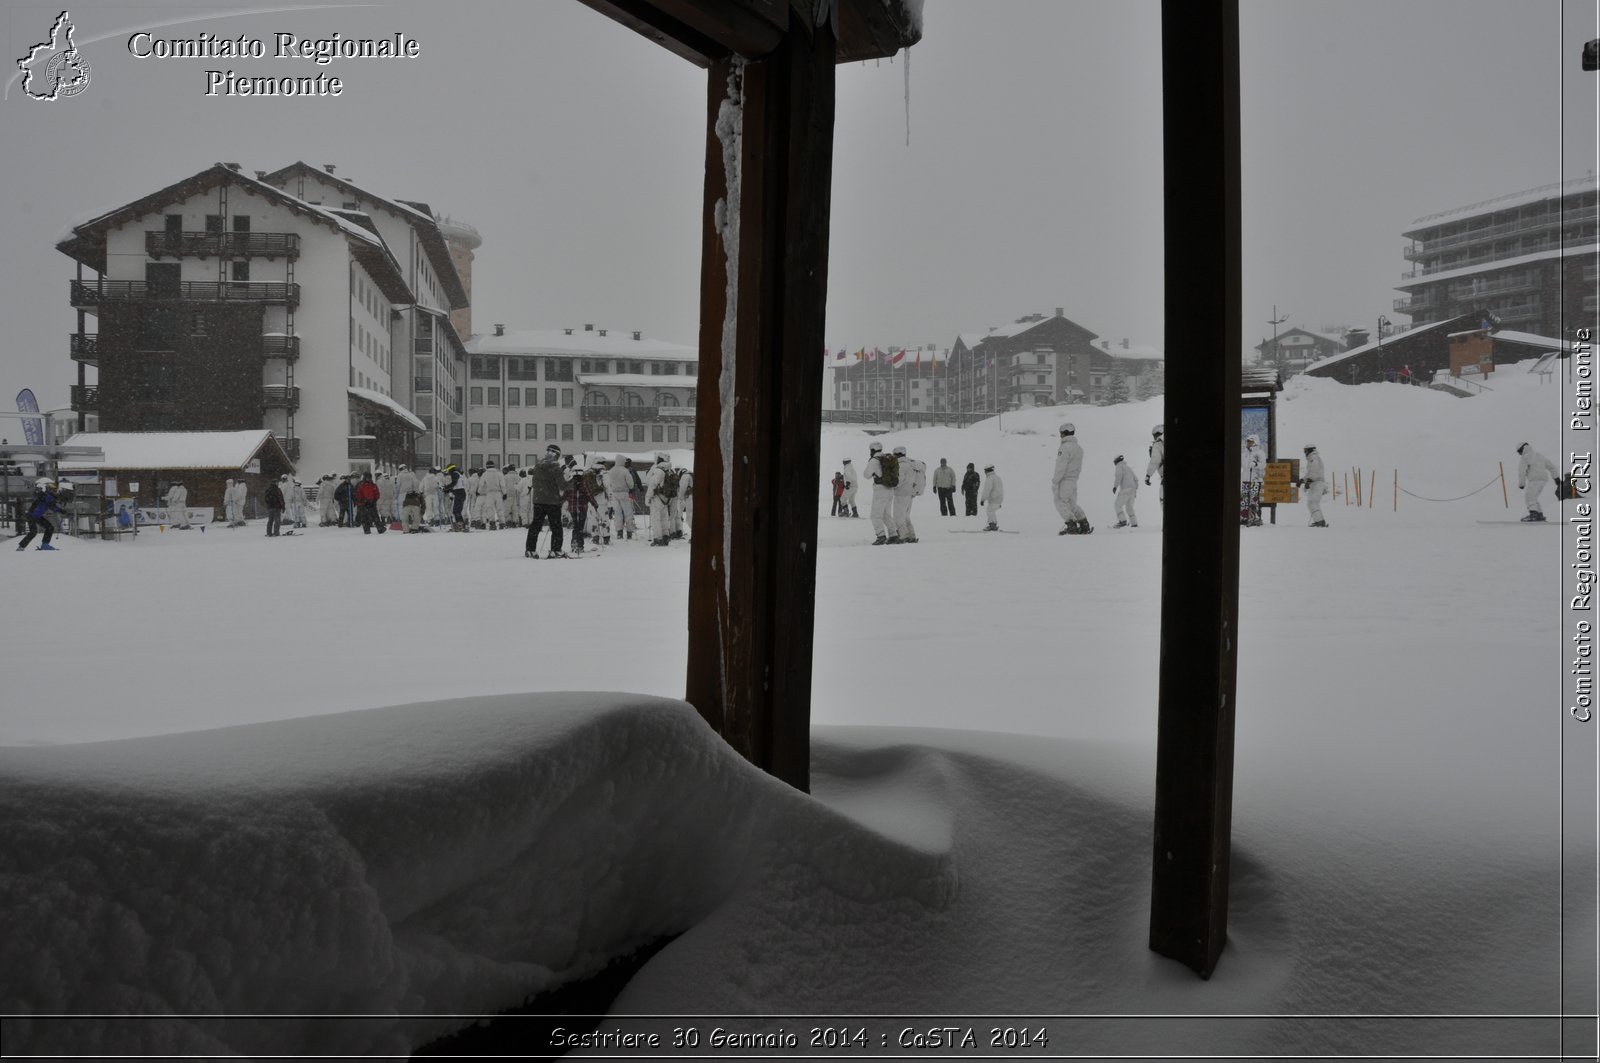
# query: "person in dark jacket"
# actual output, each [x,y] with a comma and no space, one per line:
[578,499]
[343,497]
[44,503]
[969,489]
[366,497]
[547,484]
[272,498]
[455,491]
[838,494]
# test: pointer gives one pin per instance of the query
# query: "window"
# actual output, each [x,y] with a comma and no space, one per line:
[477,429]
[214,224]
[494,396]
[558,369]
[513,431]
[622,433]
[494,459]
[845,386]
[530,431]
[1042,379]
[549,431]
[636,368]
[522,369]
[916,402]
[588,433]
[550,397]
[688,433]
[691,369]
[603,432]
[672,433]
[494,430]
[513,396]
[586,366]
[477,396]
[666,398]
[484,367]
[566,398]
[455,435]
[240,270]
[655,368]
[476,460]
[566,433]
[638,433]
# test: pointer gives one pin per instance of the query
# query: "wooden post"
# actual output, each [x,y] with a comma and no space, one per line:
[1504,495]
[1397,490]
[1200,556]
[1347,488]
[1372,489]
[752,564]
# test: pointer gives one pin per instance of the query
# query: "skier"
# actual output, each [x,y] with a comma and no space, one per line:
[344,498]
[578,501]
[524,498]
[295,496]
[385,503]
[636,495]
[44,503]
[508,496]
[229,511]
[913,481]
[618,483]
[1252,468]
[411,509]
[1158,463]
[685,502]
[1533,472]
[428,485]
[847,501]
[1064,481]
[884,472]
[474,498]
[547,485]
[970,482]
[1315,482]
[273,499]
[1126,487]
[838,493]
[994,493]
[491,489]
[660,486]
[366,499]
[944,485]
[178,505]
[326,506]
[241,492]
[405,483]
[454,487]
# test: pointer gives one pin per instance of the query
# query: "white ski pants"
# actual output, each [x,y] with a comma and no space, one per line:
[989,511]
[848,499]
[1067,500]
[1125,499]
[674,516]
[659,526]
[883,510]
[1531,493]
[902,516]
[1314,496]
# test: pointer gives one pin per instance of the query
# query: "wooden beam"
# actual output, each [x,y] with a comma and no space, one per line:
[752,569]
[1200,543]
[703,31]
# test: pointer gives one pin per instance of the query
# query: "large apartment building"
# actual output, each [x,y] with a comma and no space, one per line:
[585,388]
[1044,361]
[290,301]
[1529,258]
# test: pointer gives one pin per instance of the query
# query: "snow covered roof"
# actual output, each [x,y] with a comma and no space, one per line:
[616,343]
[169,450]
[970,339]
[1341,356]
[1141,351]
[636,380]
[394,407]
[1500,263]
[1559,190]
[1529,339]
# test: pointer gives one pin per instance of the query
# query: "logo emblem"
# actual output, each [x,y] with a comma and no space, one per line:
[55,69]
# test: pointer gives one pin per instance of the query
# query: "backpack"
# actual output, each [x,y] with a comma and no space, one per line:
[890,476]
[1566,489]
[919,479]
[669,484]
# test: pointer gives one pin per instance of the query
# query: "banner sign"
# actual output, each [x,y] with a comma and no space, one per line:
[158,514]
[1280,482]
[32,427]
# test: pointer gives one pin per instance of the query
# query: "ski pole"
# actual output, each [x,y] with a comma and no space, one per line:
[1504,496]
[1372,489]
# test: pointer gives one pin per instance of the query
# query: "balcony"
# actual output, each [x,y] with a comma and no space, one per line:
[362,448]
[86,397]
[281,347]
[290,445]
[85,347]
[280,396]
[232,245]
[599,411]
[422,345]
[1415,304]
[422,385]
[94,293]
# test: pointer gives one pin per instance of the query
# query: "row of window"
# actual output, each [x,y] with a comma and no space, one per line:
[521,397]
[487,367]
[593,433]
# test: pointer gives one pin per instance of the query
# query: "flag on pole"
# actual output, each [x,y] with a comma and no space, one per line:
[841,356]
[899,357]
[32,427]
[861,354]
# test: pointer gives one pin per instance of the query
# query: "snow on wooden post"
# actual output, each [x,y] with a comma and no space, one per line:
[1200,552]
[753,569]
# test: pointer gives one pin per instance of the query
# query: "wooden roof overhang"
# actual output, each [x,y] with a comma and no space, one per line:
[704,31]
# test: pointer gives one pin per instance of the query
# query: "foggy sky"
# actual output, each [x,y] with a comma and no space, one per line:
[1032,179]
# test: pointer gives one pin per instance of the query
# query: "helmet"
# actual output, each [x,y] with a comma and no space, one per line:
[662,455]
[552,448]
[1157,430]
[597,462]
[402,465]
[1067,429]
[900,451]
[847,461]
[1252,439]
[988,468]
[45,484]
[449,468]
[873,448]
[1310,447]
[1521,447]
[1117,460]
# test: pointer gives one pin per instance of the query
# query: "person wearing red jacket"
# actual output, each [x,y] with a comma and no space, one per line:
[367,505]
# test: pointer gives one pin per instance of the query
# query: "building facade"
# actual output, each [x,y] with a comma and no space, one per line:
[586,389]
[1292,351]
[1046,361]
[225,302]
[1528,258]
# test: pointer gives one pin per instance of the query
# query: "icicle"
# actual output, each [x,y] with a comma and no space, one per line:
[908,96]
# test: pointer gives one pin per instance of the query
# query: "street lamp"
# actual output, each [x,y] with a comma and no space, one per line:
[1383,323]
[1275,321]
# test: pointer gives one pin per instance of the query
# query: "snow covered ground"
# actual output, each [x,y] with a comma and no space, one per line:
[978,839]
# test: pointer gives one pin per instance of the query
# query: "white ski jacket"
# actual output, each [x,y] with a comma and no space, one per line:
[994,490]
[1069,461]
[1535,468]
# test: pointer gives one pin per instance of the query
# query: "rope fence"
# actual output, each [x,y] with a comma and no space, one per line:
[1423,498]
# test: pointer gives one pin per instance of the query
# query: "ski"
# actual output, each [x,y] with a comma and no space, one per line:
[982,531]
[1530,523]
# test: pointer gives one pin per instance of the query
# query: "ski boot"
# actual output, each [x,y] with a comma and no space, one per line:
[1067,529]
[991,526]
[1120,524]
[1319,524]
[554,555]
[1084,527]
[894,540]
[879,541]
[1534,517]
[46,546]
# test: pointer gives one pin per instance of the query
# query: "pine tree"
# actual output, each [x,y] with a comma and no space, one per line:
[1117,389]
[1152,382]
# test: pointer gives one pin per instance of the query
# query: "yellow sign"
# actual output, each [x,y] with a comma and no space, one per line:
[1280,482]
